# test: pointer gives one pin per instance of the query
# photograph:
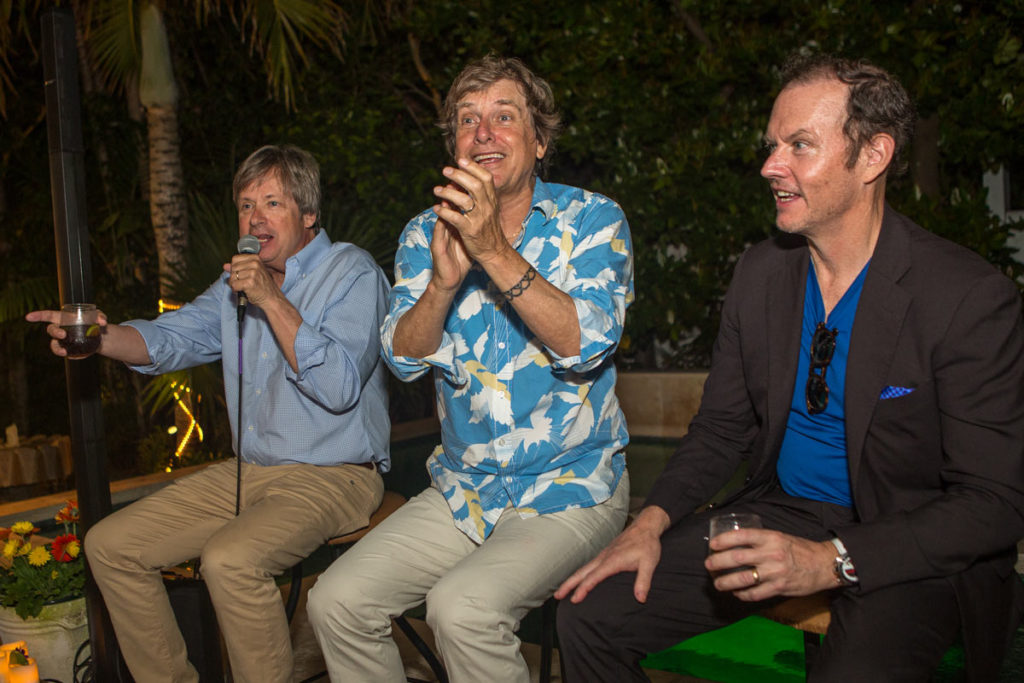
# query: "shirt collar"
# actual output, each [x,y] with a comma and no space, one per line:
[544,199]
[307,258]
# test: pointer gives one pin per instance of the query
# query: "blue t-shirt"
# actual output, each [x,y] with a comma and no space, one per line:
[812,462]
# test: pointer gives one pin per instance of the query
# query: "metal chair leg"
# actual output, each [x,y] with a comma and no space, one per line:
[547,638]
[423,648]
[294,591]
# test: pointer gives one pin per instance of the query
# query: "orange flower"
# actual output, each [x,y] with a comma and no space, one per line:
[65,547]
[68,514]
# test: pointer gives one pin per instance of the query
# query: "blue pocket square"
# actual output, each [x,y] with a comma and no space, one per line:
[895,392]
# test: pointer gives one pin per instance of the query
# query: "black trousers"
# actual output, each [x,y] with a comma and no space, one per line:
[898,633]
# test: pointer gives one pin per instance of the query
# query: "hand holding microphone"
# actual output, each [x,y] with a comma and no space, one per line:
[247,244]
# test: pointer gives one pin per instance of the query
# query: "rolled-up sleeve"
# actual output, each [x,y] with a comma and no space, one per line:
[336,346]
[598,275]
[413,270]
[184,338]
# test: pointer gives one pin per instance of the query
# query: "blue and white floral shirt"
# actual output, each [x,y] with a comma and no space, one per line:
[520,424]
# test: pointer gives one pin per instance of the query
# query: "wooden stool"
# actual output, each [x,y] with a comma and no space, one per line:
[808,613]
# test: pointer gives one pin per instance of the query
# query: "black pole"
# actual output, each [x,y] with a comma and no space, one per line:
[67,183]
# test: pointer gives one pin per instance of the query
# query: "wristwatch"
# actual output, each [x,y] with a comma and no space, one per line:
[846,573]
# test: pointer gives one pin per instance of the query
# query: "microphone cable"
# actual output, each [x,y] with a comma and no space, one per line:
[247,244]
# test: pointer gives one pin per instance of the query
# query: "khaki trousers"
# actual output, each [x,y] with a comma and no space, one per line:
[476,594]
[287,511]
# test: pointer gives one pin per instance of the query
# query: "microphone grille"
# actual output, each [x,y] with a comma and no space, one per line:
[248,244]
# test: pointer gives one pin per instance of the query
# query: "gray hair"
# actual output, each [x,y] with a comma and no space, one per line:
[295,168]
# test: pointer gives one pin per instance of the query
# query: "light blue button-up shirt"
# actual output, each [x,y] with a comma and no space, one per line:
[334,409]
[520,424]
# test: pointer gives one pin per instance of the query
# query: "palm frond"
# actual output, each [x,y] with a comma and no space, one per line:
[114,41]
[30,294]
[358,230]
[205,381]
[213,236]
[278,31]
[15,23]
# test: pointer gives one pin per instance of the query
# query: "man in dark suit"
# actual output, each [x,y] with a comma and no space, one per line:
[873,376]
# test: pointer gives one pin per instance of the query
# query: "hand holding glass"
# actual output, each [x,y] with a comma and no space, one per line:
[731,522]
[79,322]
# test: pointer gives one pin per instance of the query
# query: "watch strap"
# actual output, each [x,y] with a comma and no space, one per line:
[846,573]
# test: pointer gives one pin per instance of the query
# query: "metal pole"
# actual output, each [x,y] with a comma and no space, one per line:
[67,182]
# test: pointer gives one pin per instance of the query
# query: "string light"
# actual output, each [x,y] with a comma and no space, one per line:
[194,428]
[193,425]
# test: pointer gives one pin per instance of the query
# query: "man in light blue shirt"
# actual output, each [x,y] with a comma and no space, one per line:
[513,291]
[314,430]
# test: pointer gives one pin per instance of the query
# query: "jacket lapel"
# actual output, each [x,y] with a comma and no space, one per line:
[880,314]
[785,305]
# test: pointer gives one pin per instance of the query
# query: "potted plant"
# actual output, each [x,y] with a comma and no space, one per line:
[41,588]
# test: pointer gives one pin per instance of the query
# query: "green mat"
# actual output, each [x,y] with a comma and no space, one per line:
[758,650]
[754,650]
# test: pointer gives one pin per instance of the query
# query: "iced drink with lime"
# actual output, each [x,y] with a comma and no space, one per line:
[83,332]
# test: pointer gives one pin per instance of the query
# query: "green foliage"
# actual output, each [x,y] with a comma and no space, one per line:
[35,573]
[28,588]
[664,105]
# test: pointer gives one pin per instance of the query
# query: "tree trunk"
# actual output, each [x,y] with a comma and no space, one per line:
[158,93]
[167,200]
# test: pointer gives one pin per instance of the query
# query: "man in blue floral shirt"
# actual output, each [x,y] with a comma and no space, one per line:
[514,292]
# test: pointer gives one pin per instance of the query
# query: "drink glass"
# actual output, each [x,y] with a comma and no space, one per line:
[79,321]
[732,521]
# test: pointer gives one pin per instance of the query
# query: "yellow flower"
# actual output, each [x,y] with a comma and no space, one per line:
[25,549]
[73,548]
[54,574]
[39,556]
[11,547]
[23,528]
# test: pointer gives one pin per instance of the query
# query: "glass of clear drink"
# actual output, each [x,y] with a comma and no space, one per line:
[732,521]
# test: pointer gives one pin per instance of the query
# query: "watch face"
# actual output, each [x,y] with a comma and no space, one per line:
[847,572]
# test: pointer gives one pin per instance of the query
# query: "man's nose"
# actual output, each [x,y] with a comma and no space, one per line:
[483,132]
[773,166]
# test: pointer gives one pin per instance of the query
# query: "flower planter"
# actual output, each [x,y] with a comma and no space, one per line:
[52,638]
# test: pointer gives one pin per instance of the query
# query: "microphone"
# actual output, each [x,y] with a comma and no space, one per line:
[247,244]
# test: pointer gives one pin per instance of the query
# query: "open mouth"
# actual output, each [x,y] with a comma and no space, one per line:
[492,156]
[783,196]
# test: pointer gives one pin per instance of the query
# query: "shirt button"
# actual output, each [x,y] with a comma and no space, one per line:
[250,428]
[264,354]
[259,391]
[501,345]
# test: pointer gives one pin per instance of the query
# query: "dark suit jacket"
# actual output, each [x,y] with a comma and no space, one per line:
[937,475]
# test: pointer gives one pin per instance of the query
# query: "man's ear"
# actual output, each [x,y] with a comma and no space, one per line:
[876,156]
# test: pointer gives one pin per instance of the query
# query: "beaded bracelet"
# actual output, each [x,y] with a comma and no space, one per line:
[521,286]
